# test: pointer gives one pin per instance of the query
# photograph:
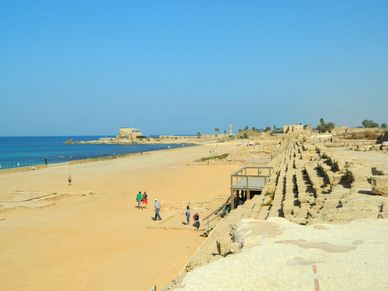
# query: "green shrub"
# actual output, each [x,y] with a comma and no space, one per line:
[325,127]
[369,124]
[219,157]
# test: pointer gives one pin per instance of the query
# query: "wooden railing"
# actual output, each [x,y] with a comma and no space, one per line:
[248,179]
[214,216]
[246,173]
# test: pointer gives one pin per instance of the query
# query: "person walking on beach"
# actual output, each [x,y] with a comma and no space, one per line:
[188,215]
[69,179]
[144,200]
[138,199]
[157,210]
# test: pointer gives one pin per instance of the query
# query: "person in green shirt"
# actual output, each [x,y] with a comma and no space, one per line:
[139,196]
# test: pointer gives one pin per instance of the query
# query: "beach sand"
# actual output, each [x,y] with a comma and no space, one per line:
[102,241]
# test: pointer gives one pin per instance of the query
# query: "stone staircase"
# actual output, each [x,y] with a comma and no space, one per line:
[310,184]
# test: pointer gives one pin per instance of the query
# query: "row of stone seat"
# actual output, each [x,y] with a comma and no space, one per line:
[292,190]
[308,187]
[284,202]
[299,195]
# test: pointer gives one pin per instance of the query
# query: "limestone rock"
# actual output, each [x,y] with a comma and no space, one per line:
[380,185]
[297,257]
[235,247]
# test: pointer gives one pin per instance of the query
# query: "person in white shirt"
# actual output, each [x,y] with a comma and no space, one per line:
[157,210]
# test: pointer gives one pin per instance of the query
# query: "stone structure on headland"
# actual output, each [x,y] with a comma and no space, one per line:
[129,133]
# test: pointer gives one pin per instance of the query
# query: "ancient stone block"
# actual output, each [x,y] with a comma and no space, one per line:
[380,185]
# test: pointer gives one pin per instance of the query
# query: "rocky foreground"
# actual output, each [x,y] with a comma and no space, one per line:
[279,255]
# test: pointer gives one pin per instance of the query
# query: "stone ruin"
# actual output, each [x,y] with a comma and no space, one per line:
[310,184]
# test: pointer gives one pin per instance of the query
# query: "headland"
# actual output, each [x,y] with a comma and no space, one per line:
[128,135]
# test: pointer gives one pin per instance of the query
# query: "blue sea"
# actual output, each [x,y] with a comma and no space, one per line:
[30,151]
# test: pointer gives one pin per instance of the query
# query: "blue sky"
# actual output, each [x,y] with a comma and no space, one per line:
[90,67]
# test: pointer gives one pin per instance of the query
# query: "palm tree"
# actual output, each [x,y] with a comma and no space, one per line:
[217,130]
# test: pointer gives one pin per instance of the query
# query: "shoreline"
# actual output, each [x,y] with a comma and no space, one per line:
[86,160]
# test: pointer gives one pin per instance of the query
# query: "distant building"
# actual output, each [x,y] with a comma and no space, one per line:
[294,128]
[230,129]
[129,133]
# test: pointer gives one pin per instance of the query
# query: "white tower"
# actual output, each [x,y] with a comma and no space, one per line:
[230,129]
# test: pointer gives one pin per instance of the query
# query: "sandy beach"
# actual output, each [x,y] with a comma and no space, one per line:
[100,240]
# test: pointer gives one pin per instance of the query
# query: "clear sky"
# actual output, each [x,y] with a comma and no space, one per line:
[90,67]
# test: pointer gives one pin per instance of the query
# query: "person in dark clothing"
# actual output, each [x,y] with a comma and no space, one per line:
[188,215]
[196,223]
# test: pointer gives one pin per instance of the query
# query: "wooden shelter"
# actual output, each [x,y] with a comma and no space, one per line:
[246,182]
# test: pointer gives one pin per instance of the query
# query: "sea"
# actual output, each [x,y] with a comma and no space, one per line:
[38,150]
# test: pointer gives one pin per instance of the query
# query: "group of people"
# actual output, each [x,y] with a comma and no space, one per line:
[142,200]
[196,223]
